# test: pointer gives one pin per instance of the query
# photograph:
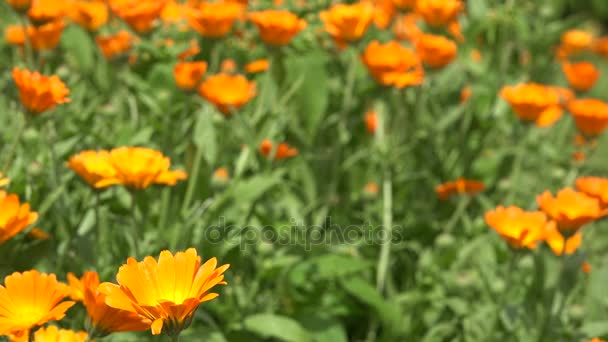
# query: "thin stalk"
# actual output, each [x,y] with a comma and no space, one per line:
[549,320]
[387,223]
[13,148]
[192,176]
[100,235]
[28,51]
[175,338]
[134,231]
[518,162]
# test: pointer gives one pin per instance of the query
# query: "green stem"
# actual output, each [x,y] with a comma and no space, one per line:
[100,235]
[551,316]
[518,162]
[13,148]
[28,51]
[192,176]
[134,231]
[175,338]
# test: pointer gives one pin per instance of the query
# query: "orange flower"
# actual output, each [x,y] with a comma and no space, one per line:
[590,115]
[347,23]
[104,319]
[54,334]
[586,267]
[221,174]
[581,76]
[138,14]
[465,94]
[392,64]
[436,51]
[20,5]
[43,37]
[283,151]
[555,240]
[214,20]
[405,4]
[43,11]
[277,27]
[30,299]
[228,66]
[39,93]
[371,190]
[600,46]
[569,209]
[139,167]
[189,74]
[459,186]
[406,27]
[384,11]
[574,42]
[476,55]
[14,35]
[173,12]
[92,166]
[91,15]
[596,339]
[439,12]
[256,66]
[166,292]
[115,45]
[191,51]
[579,156]
[371,121]
[37,234]
[535,102]
[519,228]
[596,187]
[214,88]
[14,216]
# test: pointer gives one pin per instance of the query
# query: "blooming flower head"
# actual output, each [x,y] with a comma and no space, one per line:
[371,121]
[277,27]
[115,45]
[555,239]
[30,299]
[391,64]
[600,46]
[574,42]
[581,76]
[459,186]
[103,318]
[138,14]
[215,90]
[213,19]
[139,167]
[92,166]
[283,150]
[257,66]
[54,334]
[189,74]
[347,23]
[519,228]
[596,187]
[168,291]
[436,51]
[590,115]
[228,66]
[173,12]
[439,12]
[43,11]
[535,102]
[406,27]
[42,37]
[465,94]
[221,176]
[91,15]
[384,12]
[569,209]
[14,216]
[39,93]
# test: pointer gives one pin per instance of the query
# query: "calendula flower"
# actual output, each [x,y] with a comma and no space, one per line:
[596,339]
[138,14]
[555,239]
[115,45]
[519,228]
[535,102]
[43,11]
[277,27]
[596,187]
[465,94]
[406,27]
[37,234]
[168,291]
[54,334]
[283,150]
[581,76]
[103,319]
[191,51]
[371,190]
[459,186]
[20,5]
[220,177]
[600,46]
[30,299]
[214,90]
[173,12]
[92,166]
[213,19]
[570,209]
[384,12]
[391,64]
[371,121]
[405,4]
[139,167]
[189,74]
[347,23]
[590,115]
[438,13]
[3,180]
[586,267]
[436,51]
[574,42]
[257,66]
[14,216]
[39,93]
[228,66]
[42,37]
[91,15]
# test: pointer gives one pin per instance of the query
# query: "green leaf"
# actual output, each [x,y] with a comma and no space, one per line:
[278,327]
[204,135]
[250,189]
[88,221]
[80,47]
[324,329]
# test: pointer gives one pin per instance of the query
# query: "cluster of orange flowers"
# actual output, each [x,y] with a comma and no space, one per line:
[559,220]
[161,295]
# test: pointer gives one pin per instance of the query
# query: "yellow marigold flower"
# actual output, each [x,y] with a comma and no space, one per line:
[30,299]
[257,66]
[555,239]
[347,23]
[139,167]
[14,216]
[173,12]
[213,20]
[595,187]
[92,166]
[276,27]
[391,64]
[574,42]
[54,334]
[43,11]
[103,319]
[581,76]
[590,115]
[39,93]
[188,74]
[91,15]
[519,228]
[42,37]
[214,91]
[570,209]
[439,12]
[168,291]
[436,51]
[115,45]
[138,14]
[536,102]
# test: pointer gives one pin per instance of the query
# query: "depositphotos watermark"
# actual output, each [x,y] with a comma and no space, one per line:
[297,234]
